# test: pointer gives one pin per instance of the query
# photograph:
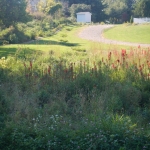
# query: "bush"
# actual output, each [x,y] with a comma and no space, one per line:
[105,132]
[38,15]
[49,33]
[3,110]
[4,35]
[1,42]
[30,34]
[14,35]
[42,26]
[65,21]
[13,38]
[102,23]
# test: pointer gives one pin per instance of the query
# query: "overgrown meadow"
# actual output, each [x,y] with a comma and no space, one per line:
[87,101]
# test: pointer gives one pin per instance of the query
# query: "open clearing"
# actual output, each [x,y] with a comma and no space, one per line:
[65,41]
[70,40]
[95,33]
[129,33]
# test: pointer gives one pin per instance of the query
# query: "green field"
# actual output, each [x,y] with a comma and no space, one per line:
[66,93]
[64,41]
[129,33]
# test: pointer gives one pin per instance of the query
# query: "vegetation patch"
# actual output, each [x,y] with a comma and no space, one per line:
[129,33]
[53,102]
[61,92]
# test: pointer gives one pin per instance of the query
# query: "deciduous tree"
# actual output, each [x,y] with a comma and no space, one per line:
[49,6]
[142,8]
[12,11]
[78,8]
[119,10]
[97,8]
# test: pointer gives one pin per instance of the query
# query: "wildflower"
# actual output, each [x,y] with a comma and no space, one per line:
[109,56]
[71,68]
[113,66]
[139,46]
[49,69]
[123,53]
[31,64]
[118,60]
[140,68]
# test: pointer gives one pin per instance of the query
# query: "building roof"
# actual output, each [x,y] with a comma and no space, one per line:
[83,13]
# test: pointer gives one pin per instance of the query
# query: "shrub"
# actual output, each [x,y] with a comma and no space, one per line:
[63,41]
[30,34]
[43,97]
[4,35]
[3,110]
[63,35]
[107,132]
[49,33]
[1,42]
[102,23]
[13,38]
[68,29]
[38,15]
[65,21]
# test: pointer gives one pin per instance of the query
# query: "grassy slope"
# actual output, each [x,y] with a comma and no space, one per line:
[59,47]
[130,33]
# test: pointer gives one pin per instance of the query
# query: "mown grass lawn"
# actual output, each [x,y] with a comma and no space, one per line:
[65,41]
[129,33]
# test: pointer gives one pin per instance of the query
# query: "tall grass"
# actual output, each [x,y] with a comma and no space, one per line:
[100,102]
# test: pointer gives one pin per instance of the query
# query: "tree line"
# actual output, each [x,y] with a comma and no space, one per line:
[116,11]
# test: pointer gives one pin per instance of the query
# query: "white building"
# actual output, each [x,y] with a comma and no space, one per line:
[141,20]
[84,17]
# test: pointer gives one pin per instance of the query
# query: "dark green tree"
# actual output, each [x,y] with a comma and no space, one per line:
[120,10]
[55,8]
[97,8]
[75,8]
[142,8]
[12,11]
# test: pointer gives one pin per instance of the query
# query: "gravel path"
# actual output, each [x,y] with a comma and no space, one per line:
[94,33]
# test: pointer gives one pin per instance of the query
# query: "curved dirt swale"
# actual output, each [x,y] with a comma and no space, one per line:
[94,33]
